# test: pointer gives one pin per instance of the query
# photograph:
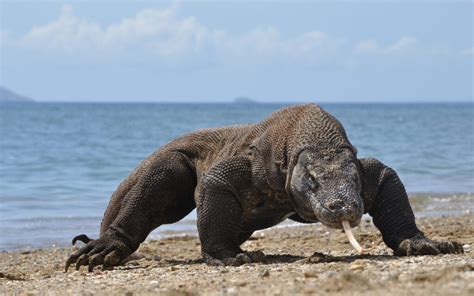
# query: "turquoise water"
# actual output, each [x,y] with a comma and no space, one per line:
[60,163]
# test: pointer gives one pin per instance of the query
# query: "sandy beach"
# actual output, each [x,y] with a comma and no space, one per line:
[306,259]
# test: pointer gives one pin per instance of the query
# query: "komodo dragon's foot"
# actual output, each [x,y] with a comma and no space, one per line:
[238,259]
[421,245]
[108,250]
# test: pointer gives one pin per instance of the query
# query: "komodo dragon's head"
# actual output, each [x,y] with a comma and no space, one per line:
[326,186]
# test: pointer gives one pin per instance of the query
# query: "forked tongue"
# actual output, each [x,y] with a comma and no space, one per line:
[350,236]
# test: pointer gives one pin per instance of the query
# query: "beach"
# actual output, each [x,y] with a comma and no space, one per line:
[223,117]
[300,259]
[61,162]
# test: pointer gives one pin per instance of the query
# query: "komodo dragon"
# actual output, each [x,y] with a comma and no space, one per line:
[297,164]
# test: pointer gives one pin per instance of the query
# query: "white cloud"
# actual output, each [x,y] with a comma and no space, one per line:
[160,31]
[402,45]
[66,33]
[151,29]
[163,32]
[311,42]
[367,46]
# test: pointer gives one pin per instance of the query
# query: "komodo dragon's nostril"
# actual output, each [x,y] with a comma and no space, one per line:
[335,205]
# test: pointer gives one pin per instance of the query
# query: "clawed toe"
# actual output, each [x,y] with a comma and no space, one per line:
[81,237]
[107,251]
[244,258]
[112,259]
[95,260]
[239,259]
[256,256]
[82,260]
[420,245]
[450,248]
[74,258]
[214,262]
[92,259]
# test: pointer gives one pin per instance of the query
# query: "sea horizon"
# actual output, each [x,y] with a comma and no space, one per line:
[252,102]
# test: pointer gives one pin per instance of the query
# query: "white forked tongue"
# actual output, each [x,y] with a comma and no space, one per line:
[350,236]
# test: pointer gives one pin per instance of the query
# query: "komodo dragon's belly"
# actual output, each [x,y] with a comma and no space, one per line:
[264,209]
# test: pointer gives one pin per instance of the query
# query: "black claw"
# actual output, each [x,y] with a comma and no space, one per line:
[83,260]
[446,248]
[74,258]
[243,258]
[112,259]
[95,260]
[450,247]
[81,237]
[256,256]
[70,261]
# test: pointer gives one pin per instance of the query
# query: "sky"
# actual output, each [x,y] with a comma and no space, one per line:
[285,51]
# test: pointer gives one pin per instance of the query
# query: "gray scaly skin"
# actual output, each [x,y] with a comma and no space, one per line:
[297,163]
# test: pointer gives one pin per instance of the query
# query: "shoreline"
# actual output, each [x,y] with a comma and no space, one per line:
[311,259]
[424,204]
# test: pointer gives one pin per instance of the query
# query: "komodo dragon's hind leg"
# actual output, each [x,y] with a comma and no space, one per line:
[115,203]
[163,194]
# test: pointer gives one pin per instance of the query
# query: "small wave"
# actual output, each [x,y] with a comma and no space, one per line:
[433,204]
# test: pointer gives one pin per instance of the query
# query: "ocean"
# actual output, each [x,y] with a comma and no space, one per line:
[60,162]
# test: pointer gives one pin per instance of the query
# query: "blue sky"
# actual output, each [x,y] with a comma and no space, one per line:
[286,51]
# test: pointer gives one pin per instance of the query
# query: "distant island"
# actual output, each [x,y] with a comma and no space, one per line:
[7,96]
[244,100]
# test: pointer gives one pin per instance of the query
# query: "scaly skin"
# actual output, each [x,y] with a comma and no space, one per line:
[297,163]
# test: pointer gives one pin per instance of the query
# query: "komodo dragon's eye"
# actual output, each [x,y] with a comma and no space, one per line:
[312,181]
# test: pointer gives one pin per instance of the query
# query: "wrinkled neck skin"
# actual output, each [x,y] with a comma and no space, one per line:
[323,179]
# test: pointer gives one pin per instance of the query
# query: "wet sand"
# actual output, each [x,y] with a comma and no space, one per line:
[303,259]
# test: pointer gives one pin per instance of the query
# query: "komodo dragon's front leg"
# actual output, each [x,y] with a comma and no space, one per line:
[162,194]
[219,212]
[386,201]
